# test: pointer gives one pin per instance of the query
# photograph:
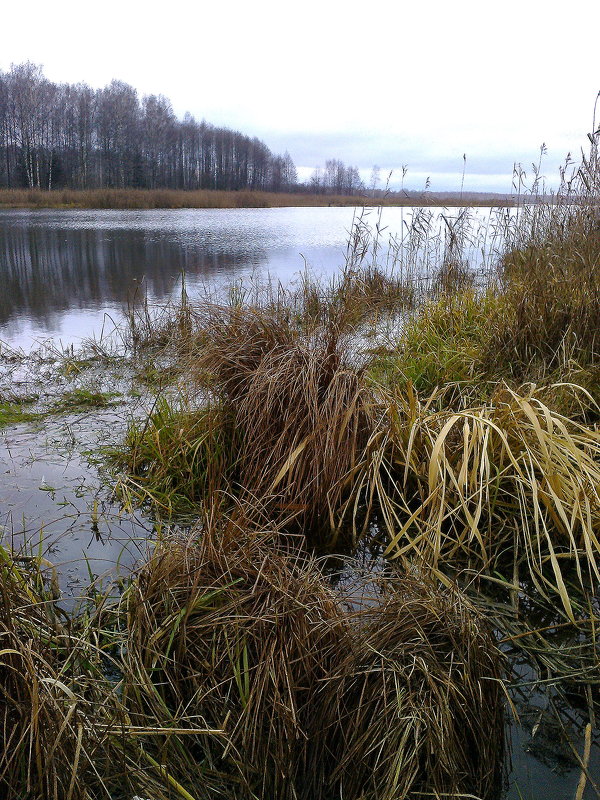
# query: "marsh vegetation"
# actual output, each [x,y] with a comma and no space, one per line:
[431,434]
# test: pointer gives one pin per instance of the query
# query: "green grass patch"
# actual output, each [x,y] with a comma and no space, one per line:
[176,458]
[80,399]
[14,413]
[156,377]
[442,343]
[75,366]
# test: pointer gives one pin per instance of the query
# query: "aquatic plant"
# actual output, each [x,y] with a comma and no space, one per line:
[510,480]
[299,406]
[415,708]
[236,629]
[176,458]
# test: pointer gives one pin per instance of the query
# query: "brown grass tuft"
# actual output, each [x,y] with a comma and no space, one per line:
[230,630]
[299,406]
[227,630]
[48,749]
[416,705]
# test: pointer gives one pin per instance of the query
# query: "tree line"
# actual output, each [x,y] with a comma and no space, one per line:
[61,135]
[336,178]
[70,135]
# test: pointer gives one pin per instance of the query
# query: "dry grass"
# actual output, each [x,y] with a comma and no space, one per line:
[233,631]
[510,481]
[45,703]
[551,294]
[299,407]
[166,198]
[228,630]
[230,668]
[213,198]
[415,709]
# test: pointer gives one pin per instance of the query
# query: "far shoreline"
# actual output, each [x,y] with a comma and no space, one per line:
[122,199]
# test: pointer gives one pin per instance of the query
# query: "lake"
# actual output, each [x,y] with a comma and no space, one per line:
[67,274]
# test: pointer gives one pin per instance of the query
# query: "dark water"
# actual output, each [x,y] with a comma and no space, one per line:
[65,276]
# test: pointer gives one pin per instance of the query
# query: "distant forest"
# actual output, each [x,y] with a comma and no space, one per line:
[72,136]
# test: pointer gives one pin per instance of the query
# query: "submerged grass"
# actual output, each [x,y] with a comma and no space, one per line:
[81,399]
[13,413]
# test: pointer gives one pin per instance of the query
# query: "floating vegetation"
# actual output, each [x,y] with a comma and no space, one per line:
[12,413]
[80,399]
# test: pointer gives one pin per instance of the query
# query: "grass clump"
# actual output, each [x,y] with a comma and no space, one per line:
[442,343]
[301,409]
[551,288]
[416,702]
[511,481]
[237,630]
[230,631]
[229,667]
[177,457]
[46,696]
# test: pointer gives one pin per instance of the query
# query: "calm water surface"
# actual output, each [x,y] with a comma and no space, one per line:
[62,272]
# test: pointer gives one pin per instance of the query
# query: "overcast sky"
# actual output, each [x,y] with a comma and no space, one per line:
[393,83]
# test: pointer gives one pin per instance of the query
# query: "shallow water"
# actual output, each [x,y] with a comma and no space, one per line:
[54,500]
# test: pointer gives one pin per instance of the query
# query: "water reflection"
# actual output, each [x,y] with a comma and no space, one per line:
[61,270]
[45,270]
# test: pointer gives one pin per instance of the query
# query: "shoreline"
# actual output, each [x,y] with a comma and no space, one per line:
[122,199]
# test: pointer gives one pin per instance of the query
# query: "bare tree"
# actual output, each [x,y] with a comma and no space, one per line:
[70,135]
